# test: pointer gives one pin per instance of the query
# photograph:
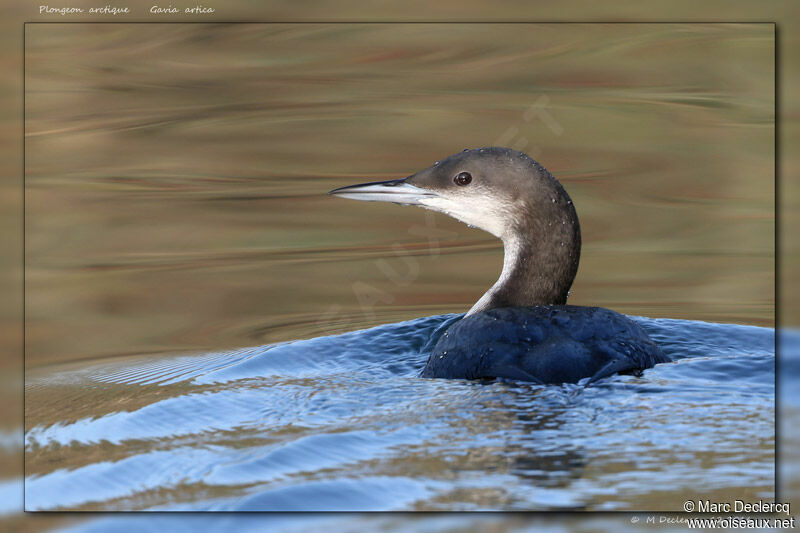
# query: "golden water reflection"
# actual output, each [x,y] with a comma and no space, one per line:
[176,173]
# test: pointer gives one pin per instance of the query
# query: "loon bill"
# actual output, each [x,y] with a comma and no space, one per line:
[521,328]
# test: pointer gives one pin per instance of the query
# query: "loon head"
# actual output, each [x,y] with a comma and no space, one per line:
[494,189]
[508,194]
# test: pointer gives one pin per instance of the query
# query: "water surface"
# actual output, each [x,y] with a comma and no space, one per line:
[344,423]
[176,174]
[175,211]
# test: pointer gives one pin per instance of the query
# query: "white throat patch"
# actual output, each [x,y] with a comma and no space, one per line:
[480,212]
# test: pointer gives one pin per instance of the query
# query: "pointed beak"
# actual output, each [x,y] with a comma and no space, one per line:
[396,191]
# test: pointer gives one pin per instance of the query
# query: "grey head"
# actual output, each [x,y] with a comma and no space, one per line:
[509,195]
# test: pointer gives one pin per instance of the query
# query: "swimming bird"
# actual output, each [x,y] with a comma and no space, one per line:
[521,328]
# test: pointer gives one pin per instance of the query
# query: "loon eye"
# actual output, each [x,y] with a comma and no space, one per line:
[463,178]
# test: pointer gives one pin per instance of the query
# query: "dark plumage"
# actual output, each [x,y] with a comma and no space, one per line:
[520,328]
[542,344]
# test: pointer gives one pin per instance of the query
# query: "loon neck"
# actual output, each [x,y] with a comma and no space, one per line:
[539,263]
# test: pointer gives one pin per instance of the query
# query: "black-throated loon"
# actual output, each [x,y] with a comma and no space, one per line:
[521,328]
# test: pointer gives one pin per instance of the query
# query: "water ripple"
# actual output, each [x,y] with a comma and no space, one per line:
[343,422]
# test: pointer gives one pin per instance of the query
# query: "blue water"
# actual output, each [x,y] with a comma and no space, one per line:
[344,423]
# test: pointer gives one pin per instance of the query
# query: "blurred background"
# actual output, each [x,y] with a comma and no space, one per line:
[176,174]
